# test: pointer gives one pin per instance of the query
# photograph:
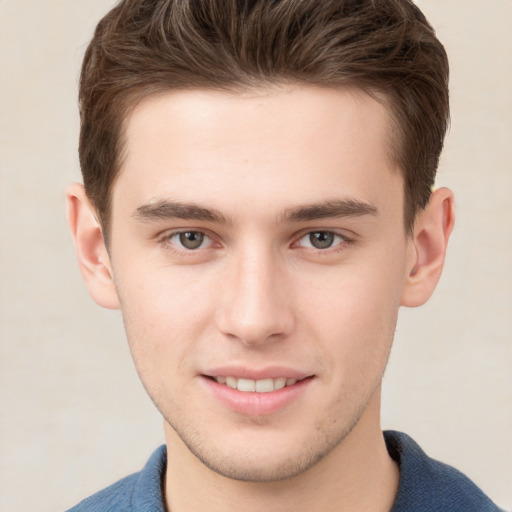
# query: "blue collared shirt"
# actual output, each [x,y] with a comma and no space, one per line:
[426,485]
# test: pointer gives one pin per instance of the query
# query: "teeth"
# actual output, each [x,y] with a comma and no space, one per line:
[231,382]
[246,385]
[259,386]
[279,383]
[264,386]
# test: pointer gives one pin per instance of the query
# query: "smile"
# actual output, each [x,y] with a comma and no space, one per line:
[258,396]
[256,386]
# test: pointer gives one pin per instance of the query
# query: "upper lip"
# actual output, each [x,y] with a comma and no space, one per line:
[269,372]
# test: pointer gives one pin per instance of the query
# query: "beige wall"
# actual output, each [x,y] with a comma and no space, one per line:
[73,415]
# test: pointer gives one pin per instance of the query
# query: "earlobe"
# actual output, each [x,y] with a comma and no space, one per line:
[432,230]
[92,254]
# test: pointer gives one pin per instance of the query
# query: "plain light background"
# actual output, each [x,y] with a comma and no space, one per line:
[74,417]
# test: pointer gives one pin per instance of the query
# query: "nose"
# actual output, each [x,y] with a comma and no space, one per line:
[254,306]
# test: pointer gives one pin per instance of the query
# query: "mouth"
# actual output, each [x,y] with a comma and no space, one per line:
[264,394]
[255,386]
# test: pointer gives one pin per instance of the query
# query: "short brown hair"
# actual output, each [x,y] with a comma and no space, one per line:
[142,47]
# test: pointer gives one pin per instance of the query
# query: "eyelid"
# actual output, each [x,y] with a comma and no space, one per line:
[336,232]
[165,238]
[337,239]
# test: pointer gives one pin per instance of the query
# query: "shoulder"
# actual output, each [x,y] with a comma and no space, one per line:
[427,485]
[138,492]
[115,497]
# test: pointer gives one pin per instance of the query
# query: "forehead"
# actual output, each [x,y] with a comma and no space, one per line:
[268,146]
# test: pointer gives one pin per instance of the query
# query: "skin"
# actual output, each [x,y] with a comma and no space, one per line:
[256,174]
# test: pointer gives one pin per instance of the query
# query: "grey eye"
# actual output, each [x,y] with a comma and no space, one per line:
[191,239]
[321,239]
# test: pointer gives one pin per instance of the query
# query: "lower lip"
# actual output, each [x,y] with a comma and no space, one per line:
[257,404]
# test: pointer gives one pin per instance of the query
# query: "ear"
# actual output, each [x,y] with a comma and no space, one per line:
[92,253]
[428,248]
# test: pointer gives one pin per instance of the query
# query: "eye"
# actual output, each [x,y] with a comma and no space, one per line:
[321,239]
[189,240]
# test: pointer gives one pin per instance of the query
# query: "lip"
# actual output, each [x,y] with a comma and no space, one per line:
[269,372]
[254,403]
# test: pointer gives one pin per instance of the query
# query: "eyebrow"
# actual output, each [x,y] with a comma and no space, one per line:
[161,210]
[334,208]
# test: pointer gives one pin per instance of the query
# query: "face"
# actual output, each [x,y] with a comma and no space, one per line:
[259,254]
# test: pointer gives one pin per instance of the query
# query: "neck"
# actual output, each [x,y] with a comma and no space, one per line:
[358,475]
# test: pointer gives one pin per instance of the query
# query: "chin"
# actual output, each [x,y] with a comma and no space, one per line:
[260,469]
[268,459]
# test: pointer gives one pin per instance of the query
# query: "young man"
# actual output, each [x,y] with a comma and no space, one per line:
[258,202]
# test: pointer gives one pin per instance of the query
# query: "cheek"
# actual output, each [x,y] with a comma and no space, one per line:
[354,312]
[354,294]
[164,313]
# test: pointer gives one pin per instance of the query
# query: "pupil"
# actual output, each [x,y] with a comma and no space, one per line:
[191,239]
[321,239]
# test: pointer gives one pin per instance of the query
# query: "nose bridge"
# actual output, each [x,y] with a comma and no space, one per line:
[255,308]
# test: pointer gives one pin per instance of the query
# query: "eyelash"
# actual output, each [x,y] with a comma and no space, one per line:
[341,239]
[166,241]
